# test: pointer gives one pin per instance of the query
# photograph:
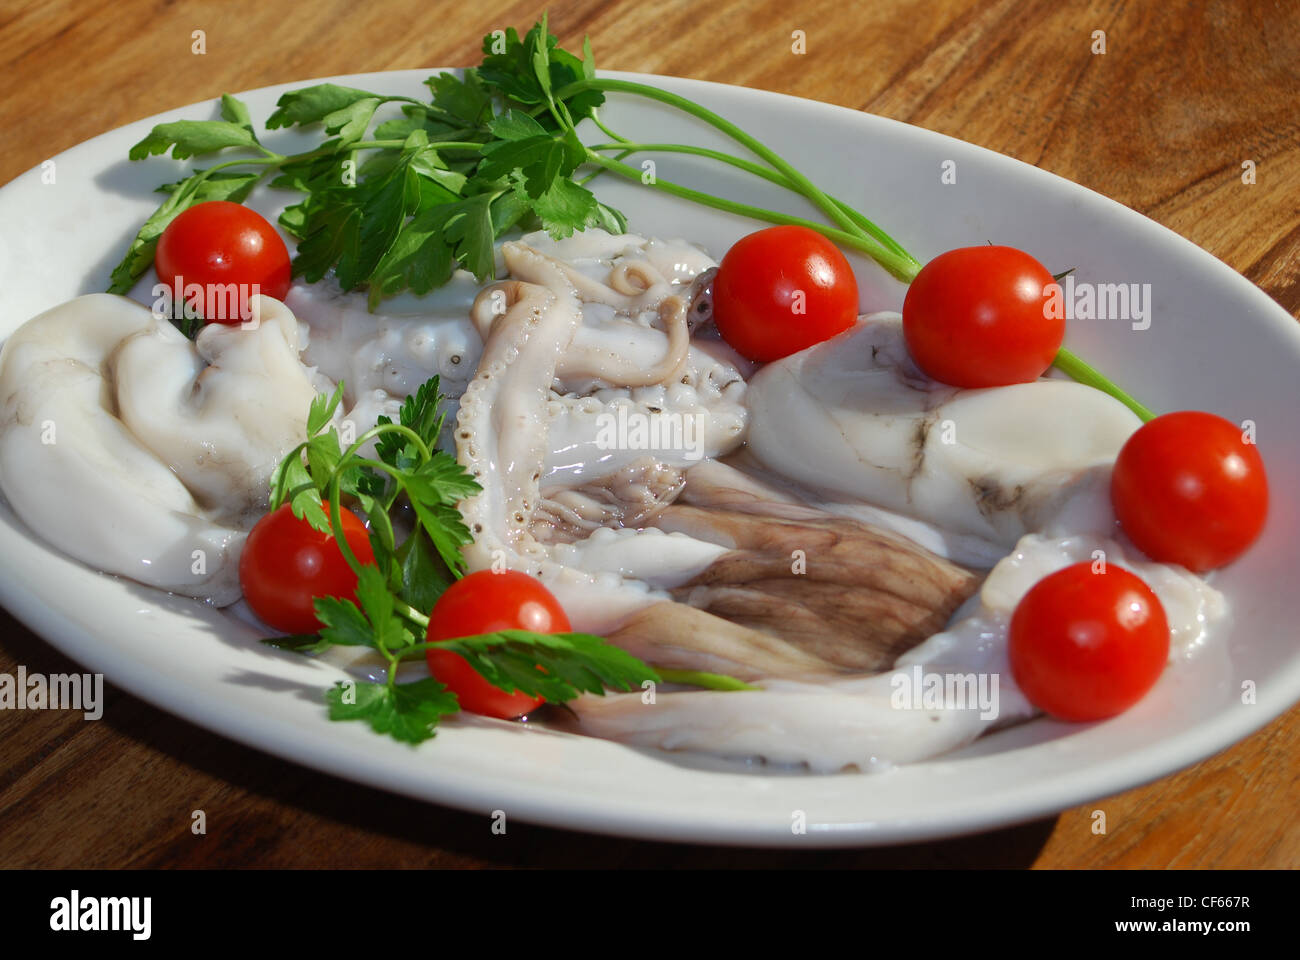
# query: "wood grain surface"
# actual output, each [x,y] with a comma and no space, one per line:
[1161,122]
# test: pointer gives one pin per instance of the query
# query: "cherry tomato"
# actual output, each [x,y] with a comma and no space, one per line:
[287,563]
[781,290]
[977,317]
[217,243]
[1188,488]
[484,602]
[1087,646]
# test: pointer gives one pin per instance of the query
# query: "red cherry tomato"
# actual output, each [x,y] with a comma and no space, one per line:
[1087,646]
[1187,488]
[217,243]
[287,563]
[757,305]
[484,602]
[977,317]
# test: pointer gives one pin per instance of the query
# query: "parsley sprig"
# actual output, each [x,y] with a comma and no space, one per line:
[394,593]
[397,203]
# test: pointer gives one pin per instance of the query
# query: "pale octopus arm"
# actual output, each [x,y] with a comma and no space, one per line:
[874,722]
[141,453]
[79,477]
[502,430]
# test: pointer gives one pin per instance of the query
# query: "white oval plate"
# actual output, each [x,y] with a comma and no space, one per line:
[1215,342]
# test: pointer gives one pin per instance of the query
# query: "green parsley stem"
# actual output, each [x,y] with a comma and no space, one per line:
[278,494]
[359,145]
[559,120]
[694,678]
[414,650]
[336,526]
[421,447]
[566,118]
[698,678]
[350,460]
[903,268]
[773,176]
[755,146]
[1066,361]
[271,159]
[290,494]
[454,145]
[599,170]
[595,118]
[193,183]
[1074,367]
[410,613]
[400,99]
[336,522]
[334,148]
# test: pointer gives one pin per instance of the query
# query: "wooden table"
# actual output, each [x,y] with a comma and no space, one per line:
[1162,121]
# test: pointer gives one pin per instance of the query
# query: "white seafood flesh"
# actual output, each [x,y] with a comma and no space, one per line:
[383,356]
[854,418]
[605,438]
[621,282]
[847,429]
[564,355]
[221,411]
[145,454]
[874,722]
[77,474]
[632,366]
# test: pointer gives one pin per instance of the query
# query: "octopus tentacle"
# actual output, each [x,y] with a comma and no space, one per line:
[554,490]
[611,368]
[627,497]
[631,290]
[492,303]
[500,427]
[634,277]
[502,432]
